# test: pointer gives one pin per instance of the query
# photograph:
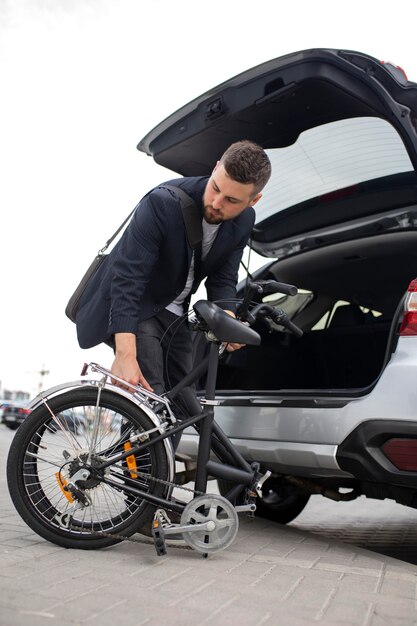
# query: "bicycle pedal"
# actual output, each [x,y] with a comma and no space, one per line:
[158,538]
[261,481]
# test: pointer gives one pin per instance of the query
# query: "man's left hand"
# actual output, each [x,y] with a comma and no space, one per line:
[231,347]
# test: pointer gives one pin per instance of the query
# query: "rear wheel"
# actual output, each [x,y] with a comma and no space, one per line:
[279,502]
[46,454]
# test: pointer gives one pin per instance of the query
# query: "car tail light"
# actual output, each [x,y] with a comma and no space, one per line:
[409,323]
[24,411]
[402,453]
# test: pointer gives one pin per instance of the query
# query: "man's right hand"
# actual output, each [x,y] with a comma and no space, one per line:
[125,364]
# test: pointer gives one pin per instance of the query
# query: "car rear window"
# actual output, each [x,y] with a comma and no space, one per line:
[331,157]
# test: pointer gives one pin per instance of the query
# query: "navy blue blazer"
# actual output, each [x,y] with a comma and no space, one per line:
[148,267]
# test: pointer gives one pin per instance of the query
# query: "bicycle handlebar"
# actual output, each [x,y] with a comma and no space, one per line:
[292,327]
[267,310]
[259,311]
[262,287]
[277,315]
[272,286]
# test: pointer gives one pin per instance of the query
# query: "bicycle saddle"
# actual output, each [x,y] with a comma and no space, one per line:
[224,326]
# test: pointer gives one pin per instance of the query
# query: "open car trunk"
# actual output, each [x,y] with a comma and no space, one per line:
[350,308]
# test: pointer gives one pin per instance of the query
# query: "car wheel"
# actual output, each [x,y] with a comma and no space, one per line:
[12,426]
[279,502]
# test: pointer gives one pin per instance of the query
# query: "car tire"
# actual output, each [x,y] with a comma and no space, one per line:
[279,502]
[12,426]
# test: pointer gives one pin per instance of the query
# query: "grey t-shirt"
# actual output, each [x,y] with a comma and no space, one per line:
[209,235]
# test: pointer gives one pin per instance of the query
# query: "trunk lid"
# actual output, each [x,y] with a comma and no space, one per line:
[340,129]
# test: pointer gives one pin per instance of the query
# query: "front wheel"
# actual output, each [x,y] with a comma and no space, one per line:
[46,455]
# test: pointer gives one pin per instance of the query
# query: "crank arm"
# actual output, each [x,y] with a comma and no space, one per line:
[243,508]
[209,526]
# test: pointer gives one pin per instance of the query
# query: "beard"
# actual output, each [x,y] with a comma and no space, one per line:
[211,216]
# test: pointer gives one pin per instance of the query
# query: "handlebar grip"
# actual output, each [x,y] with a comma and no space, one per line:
[293,328]
[273,286]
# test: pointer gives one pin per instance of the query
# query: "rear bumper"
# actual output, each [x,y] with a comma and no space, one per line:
[317,460]
[361,453]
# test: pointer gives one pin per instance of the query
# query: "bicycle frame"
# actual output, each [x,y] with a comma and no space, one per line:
[233,467]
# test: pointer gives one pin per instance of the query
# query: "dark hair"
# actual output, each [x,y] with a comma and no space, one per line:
[246,162]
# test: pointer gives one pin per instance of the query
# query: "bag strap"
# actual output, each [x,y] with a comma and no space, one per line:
[192,219]
[108,242]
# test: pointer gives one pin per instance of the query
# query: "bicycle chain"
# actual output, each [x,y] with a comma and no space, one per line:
[170,484]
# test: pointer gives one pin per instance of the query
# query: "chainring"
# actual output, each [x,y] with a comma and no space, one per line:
[205,508]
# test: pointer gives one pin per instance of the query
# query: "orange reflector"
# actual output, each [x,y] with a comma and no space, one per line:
[63,483]
[131,461]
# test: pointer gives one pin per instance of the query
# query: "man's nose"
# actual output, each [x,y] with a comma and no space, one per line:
[217,201]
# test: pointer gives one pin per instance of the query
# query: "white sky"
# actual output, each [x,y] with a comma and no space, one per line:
[82,82]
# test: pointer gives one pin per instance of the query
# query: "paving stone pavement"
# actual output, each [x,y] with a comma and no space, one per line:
[381,526]
[270,575]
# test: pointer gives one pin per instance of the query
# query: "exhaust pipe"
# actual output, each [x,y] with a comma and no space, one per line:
[315,488]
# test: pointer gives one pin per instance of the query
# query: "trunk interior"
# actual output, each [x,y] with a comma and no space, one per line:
[339,357]
[350,318]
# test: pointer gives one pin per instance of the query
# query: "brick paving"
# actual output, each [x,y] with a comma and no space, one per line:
[287,575]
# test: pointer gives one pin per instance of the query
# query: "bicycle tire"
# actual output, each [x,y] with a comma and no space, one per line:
[45,453]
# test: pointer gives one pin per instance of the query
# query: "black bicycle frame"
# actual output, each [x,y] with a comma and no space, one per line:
[233,467]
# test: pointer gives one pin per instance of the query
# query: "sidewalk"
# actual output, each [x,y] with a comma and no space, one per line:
[270,575]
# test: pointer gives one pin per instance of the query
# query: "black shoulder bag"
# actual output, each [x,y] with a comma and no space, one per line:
[192,220]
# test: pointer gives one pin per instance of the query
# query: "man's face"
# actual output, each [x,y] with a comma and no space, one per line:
[224,198]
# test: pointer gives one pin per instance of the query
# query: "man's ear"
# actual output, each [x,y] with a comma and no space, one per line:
[256,198]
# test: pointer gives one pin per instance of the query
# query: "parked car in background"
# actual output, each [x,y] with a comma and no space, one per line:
[13,413]
[333,412]
[70,420]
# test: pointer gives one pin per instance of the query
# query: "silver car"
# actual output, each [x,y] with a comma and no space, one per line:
[333,412]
